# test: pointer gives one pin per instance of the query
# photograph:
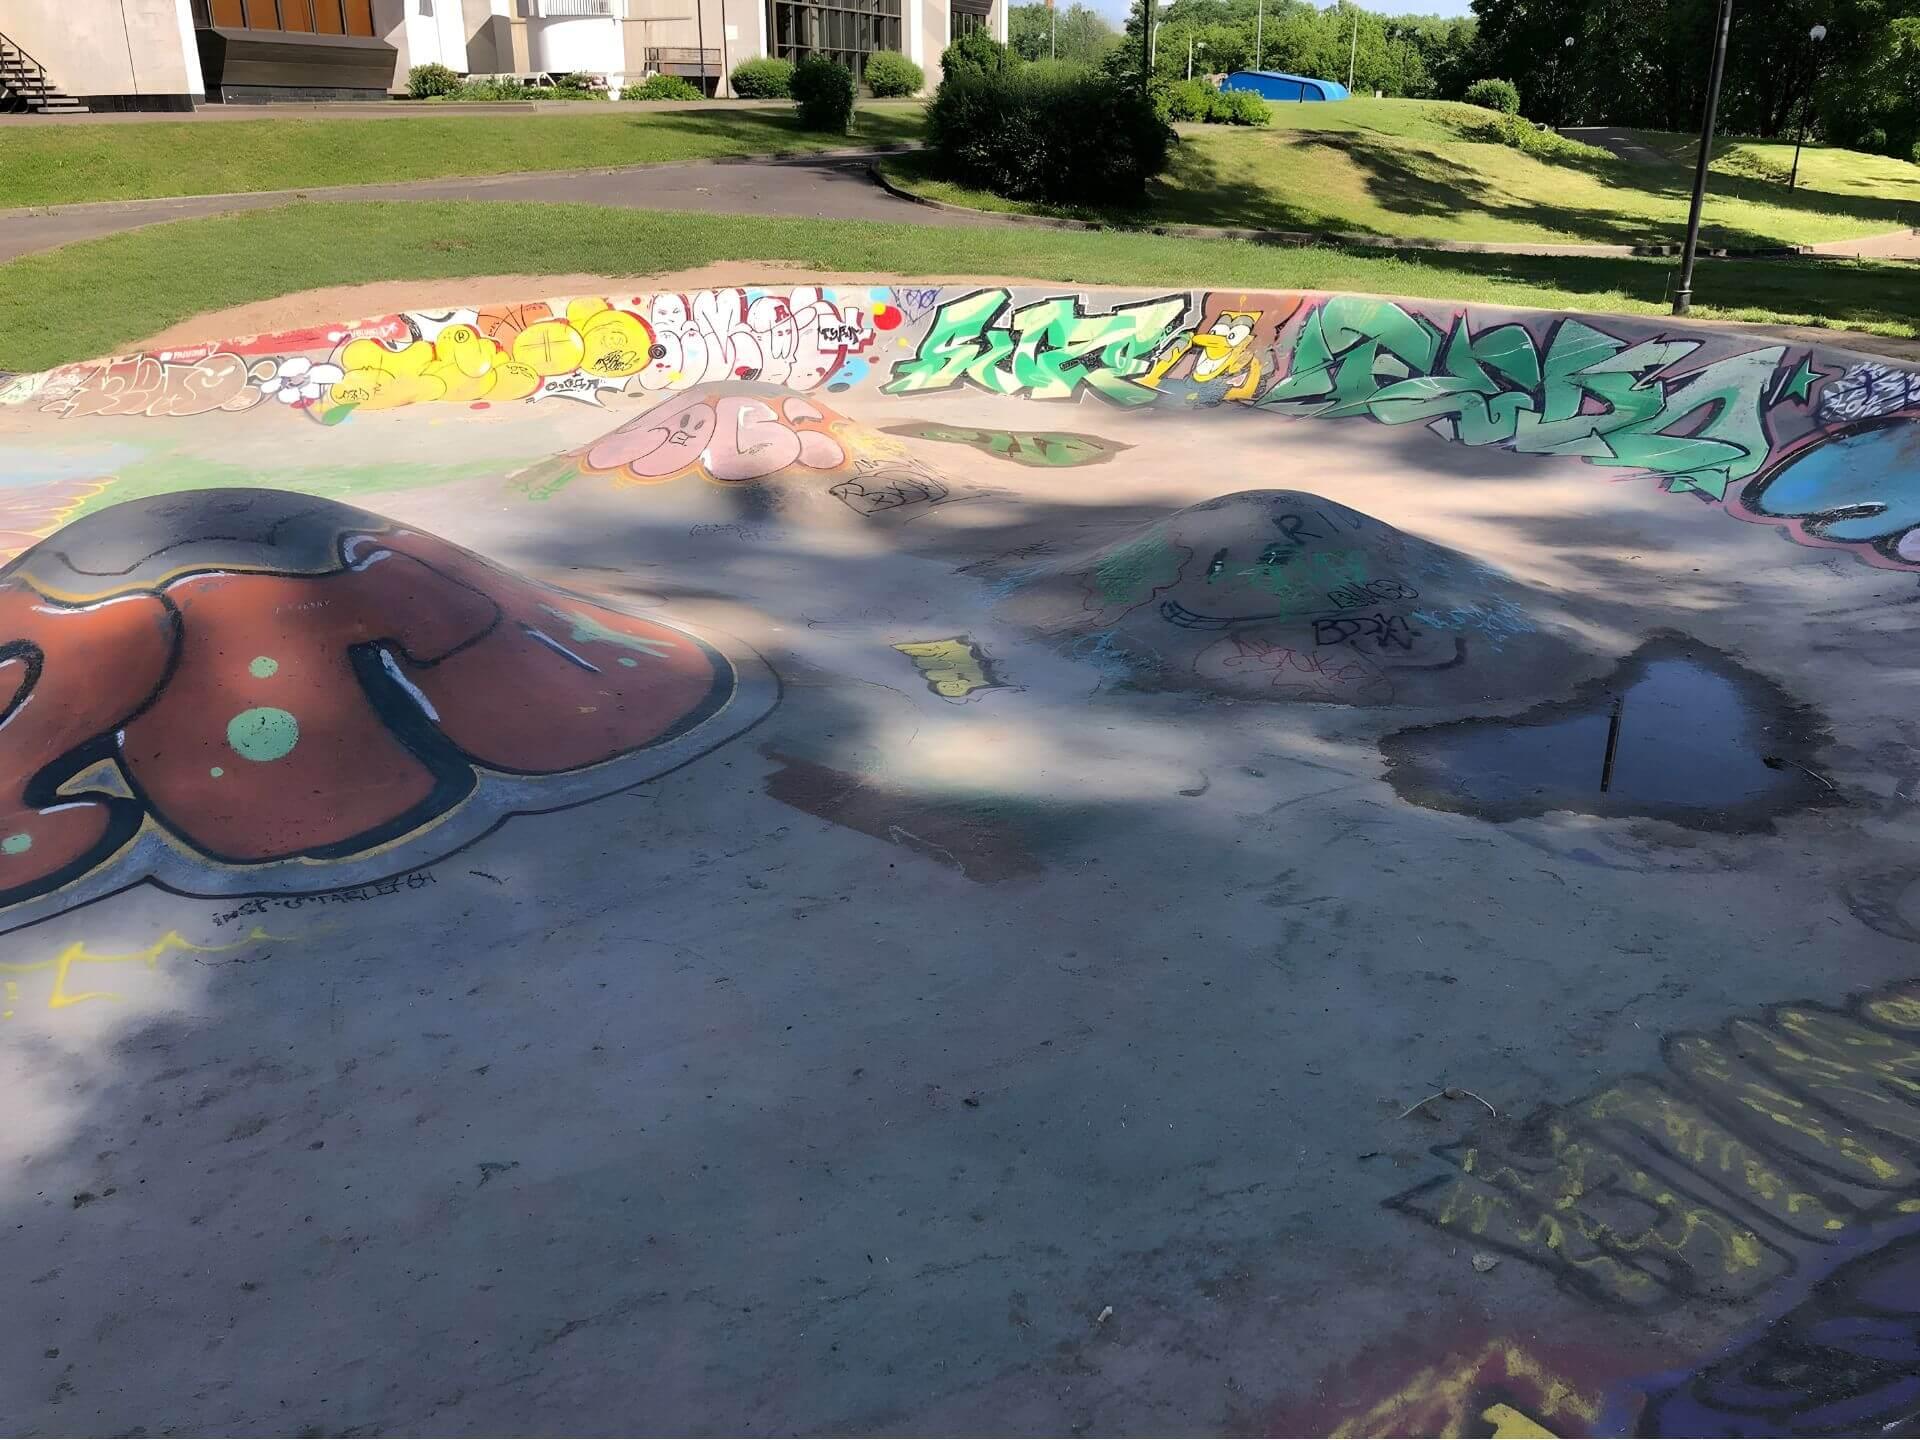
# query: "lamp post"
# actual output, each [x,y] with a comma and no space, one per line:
[1146,46]
[1560,78]
[1259,30]
[1190,44]
[1683,297]
[1814,37]
[1353,51]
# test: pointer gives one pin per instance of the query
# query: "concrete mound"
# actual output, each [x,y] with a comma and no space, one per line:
[220,687]
[1286,595]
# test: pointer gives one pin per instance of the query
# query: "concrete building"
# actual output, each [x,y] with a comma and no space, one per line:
[176,54]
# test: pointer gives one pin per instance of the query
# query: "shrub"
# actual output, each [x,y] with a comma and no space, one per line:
[1501,95]
[1239,107]
[1184,101]
[976,51]
[1059,69]
[823,94]
[765,79]
[1195,100]
[426,81]
[891,73]
[1530,139]
[663,87]
[1076,139]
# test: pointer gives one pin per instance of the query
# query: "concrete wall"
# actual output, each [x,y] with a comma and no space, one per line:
[421,38]
[124,48]
[652,23]
[933,23]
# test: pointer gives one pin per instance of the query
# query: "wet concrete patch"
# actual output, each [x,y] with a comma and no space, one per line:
[967,837]
[1678,732]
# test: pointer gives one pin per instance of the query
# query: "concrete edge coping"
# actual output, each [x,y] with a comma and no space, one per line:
[1385,242]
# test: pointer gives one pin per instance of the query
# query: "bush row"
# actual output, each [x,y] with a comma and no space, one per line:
[888,73]
[1196,100]
[437,82]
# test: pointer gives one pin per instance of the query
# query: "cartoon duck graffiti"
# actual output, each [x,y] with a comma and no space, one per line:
[1223,352]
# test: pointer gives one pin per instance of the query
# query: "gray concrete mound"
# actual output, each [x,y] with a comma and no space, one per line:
[1287,595]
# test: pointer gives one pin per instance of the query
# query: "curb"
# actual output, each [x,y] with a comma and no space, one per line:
[1340,240]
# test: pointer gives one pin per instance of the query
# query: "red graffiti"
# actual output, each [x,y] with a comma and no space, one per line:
[282,678]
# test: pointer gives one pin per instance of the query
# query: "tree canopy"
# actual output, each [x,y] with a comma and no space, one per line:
[1645,63]
[1400,55]
[1077,33]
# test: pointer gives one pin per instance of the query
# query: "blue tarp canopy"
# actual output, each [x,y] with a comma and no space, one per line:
[1278,85]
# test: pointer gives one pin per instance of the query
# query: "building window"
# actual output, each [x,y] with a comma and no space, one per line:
[965,15]
[305,17]
[843,30]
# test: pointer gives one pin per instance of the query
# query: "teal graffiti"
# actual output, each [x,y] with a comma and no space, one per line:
[1590,396]
[1046,350]
[1129,574]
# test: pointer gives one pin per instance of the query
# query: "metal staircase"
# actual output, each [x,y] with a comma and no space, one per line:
[24,87]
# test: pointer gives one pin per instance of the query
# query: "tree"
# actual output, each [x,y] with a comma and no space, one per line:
[1397,55]
[1078,34]
[1644,63]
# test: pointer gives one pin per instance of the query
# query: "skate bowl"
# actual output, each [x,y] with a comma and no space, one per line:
[961,859]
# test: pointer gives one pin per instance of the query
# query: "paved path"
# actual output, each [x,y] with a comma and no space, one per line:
[827,187]
[1620,142]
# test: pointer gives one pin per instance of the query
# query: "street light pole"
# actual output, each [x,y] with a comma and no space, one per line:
[1560,80]
[1203,46]
[1815,35]
[1683,297]
[1353,53]
[1259,30]
[1146,46]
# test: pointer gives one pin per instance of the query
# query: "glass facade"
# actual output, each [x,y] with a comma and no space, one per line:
[843,30]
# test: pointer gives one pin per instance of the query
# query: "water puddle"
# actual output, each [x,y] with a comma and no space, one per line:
[1678,732]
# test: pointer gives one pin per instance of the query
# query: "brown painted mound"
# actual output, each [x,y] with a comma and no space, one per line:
[1285,595]
[233,683]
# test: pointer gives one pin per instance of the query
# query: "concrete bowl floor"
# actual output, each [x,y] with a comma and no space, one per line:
[929,860]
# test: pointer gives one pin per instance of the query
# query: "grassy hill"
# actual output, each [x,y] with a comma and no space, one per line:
[1824,169]
[1428,170]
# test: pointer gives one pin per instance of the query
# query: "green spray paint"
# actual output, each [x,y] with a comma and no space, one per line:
[263,734]
[1047,350]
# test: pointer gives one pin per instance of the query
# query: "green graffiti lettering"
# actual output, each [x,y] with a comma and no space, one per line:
[1047,350]
[1590,397]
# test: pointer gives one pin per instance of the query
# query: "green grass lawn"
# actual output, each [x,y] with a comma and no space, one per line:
[1826,169]
[96,296]
[63,164]
[1413,169]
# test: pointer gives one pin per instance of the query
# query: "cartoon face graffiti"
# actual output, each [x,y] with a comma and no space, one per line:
[296,695]
[1224,345]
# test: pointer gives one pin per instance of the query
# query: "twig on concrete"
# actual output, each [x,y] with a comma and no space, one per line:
[1452,1092]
